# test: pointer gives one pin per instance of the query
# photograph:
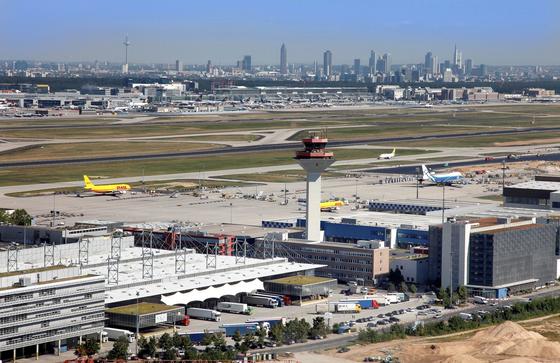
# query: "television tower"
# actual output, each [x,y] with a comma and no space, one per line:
[125,65]
[314,159]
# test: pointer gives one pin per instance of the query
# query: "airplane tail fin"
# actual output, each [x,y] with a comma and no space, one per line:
[394,151]
[87,182]
[426,173]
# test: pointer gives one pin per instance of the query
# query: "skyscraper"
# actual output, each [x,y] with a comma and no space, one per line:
[457,58]
[209,66]
[435,65]
[372,62]
[178,66]
[468,67]
[246,63]
[357,66]
[387,63]
[283,59]
[327,63]
[429,63]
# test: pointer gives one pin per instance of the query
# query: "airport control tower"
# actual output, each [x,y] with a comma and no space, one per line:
[314,159]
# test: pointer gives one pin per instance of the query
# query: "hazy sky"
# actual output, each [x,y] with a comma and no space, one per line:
[488,31]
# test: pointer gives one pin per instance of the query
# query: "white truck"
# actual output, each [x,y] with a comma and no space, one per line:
[480,300]
[232,307]
[338,307]
[204,314]
[115,334]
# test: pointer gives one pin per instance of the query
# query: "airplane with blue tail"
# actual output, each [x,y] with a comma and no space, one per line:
[442,178]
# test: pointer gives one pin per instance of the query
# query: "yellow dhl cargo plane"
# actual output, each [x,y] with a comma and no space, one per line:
[105,189]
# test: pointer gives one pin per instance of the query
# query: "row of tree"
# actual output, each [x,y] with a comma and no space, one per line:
[519,311]
[19,217]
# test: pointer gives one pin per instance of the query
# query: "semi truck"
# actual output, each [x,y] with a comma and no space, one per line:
[338,307]
[364,303]
[232,307]
[115,334]
[264,301]
[244,328]
[270,321]
[204,314]
[278,298]
[196,337]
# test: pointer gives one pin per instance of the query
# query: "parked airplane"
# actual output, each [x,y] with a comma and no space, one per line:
[107,188]
[388,156]
[443,178]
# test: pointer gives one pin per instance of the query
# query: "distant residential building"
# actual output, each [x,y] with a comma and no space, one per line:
[283,59]
[327,63]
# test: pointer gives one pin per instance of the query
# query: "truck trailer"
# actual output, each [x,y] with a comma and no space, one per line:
[263,301]
[270,321]
[204,314]
[115,334]
[234,308]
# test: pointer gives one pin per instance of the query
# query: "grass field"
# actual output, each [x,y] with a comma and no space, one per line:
[281,176]
[530,138]
[48,174]
[98,149]
[494,198]
[168,185]
[222,138]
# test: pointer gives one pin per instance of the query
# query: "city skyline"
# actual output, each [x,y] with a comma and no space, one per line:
[505,33]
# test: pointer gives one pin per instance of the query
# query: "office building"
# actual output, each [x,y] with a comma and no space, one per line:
[428,63]
[327,63]
[342,261]
[246,63]
[493,257]
[457,58]
[468,67]
[283,59]
[50,309]
[209,66]
[372,62]
[448,75]
[483,70]
[357,67]
[387,63]
[178,66]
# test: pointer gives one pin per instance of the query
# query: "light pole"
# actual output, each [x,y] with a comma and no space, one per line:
[137,321]
[503,175]
[451,280]
[230,213]
[417,181]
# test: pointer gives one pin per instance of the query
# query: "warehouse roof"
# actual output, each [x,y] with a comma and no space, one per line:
[301,280]
[141,309]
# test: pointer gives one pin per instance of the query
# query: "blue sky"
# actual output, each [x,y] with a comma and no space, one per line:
[488,31]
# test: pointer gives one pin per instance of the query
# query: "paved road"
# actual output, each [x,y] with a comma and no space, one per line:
[270,147]
[411,169]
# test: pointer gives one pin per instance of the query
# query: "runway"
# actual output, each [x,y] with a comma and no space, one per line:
[270,147]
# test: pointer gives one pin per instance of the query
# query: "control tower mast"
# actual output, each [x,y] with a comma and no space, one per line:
[314,159]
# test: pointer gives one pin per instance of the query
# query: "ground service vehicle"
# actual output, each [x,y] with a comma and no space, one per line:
[114,334]
[204,314]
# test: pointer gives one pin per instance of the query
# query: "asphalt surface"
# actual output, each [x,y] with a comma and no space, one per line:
[271,147]
[411,169]
[344,339]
